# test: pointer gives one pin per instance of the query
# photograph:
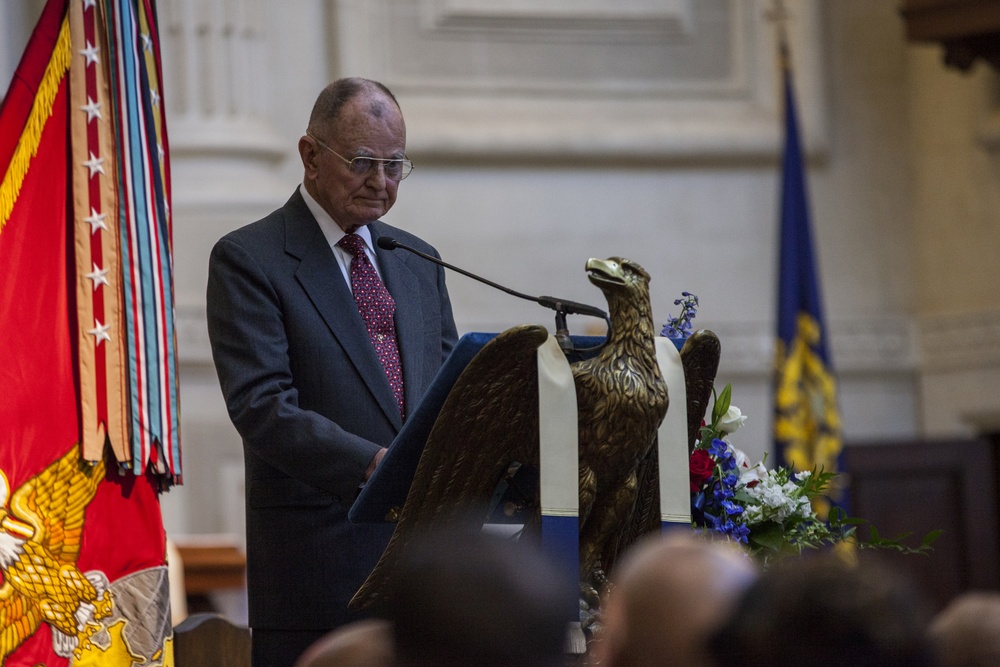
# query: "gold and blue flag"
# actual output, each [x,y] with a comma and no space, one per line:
[806,422]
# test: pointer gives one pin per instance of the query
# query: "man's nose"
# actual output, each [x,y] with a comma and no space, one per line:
[376,175]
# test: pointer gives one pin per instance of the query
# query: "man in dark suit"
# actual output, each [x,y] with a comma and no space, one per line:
[313,387]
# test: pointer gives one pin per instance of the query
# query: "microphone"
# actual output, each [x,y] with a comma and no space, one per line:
[561,306]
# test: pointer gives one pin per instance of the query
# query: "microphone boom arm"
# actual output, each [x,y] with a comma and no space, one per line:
[562,307]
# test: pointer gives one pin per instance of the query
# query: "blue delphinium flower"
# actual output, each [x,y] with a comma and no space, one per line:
[726,526]
[731,507]
[720,450]
[681,327]
[716,507]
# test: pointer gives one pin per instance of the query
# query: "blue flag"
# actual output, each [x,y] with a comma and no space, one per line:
[806,421]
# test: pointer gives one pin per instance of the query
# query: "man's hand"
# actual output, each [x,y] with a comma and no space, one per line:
[370,470]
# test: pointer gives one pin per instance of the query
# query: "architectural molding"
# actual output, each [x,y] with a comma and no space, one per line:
[637,80]
[859,347]
[551,19]
[960,342]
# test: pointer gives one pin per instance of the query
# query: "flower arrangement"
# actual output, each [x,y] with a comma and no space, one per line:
[771,511]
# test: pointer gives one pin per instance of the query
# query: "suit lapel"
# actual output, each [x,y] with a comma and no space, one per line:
[321,279]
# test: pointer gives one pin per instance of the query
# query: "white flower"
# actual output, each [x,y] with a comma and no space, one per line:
[748,473]
[776,501]
[732,420]
[740,457]
[757,473]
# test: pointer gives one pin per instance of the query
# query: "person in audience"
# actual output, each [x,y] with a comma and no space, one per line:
[461,598]
[822,612]
[366,643]
[967,632]
[668,593]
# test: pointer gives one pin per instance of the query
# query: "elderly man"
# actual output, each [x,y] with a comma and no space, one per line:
[323,343]
[670,591]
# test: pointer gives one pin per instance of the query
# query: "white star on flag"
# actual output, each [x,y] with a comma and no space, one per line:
[87,4]
[96,221]
[99,276]
[94,164]
[90,53]
[93,110]
[155,96]
[100,332]
[147,43]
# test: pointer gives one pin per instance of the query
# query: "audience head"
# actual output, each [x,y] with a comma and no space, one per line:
[967,632]
[821,612]
[669,592]
[366,643]
[468,598]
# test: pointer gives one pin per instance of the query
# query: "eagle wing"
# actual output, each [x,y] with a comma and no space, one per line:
[488,422]
[700,358]
[54,503]
[19,619]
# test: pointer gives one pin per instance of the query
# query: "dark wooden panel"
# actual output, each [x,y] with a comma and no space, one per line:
[921,486]
[202,640]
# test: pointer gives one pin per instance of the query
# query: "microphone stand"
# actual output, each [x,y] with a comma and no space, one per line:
[561,306]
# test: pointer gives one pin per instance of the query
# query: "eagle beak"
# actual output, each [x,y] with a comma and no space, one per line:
[604,271]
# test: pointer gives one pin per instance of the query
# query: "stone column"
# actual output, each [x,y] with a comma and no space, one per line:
[226,155]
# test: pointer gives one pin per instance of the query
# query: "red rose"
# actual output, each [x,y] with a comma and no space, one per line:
[701,467]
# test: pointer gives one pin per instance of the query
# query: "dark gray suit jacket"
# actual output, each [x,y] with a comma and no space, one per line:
[307,393]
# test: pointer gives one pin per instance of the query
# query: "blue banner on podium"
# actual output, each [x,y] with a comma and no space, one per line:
[388,486]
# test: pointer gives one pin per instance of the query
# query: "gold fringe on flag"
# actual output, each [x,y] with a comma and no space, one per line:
[31,137]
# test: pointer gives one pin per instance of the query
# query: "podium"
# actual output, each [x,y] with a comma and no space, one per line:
[386,490]
[513,401]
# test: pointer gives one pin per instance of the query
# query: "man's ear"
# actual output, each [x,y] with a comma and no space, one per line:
[309,156]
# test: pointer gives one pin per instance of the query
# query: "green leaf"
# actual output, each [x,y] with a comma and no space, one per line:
[929,538]
[853,521]
[722,404]
[770,535]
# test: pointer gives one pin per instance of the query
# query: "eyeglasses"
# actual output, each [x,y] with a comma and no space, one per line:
[393,168]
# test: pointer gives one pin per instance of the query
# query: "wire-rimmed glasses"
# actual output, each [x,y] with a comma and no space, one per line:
[394,168]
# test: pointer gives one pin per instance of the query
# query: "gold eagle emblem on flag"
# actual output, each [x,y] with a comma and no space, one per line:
[40,536]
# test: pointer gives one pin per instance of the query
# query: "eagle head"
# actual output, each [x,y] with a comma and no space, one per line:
[616,273]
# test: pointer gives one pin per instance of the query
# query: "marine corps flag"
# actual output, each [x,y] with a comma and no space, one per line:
[88,418]
[806,422]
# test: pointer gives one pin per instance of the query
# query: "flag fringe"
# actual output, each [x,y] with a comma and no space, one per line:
[41,110]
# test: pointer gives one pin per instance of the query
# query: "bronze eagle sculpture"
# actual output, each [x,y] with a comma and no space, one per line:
[488,427]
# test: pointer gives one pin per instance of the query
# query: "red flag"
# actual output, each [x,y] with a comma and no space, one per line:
[82,544]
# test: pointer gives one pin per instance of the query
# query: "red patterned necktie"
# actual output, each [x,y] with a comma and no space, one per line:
[376,307]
